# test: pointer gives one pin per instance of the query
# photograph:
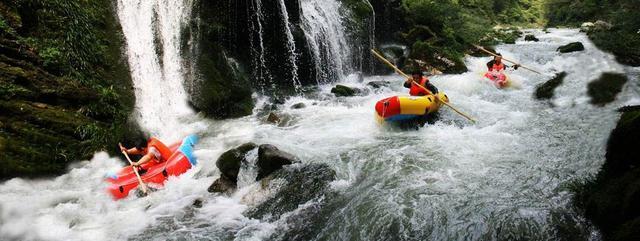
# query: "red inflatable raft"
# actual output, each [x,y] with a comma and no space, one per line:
[499,79]
[154,173]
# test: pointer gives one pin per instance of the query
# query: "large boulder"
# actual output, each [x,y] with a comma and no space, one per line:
[611,200]
[229,162]
[545,90]
[302,183]
[605,89]
[572,47]
[229,165]
[270,159]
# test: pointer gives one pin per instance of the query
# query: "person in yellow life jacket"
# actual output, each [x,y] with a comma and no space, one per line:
[153,149]
[415,90]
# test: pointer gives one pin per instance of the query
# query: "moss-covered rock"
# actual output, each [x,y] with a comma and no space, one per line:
[571,47]
[343,91]
[219,84]
[65,89]
[611,200]
[545,90]
[605,89]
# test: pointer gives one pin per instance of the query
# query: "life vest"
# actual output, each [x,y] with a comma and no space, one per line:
[497,67]
[416,90]
[161,147]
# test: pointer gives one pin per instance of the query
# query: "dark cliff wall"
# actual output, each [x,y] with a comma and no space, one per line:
[65,89]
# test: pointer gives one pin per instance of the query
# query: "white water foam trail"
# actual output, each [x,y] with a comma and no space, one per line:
[506,177]
[325,31]
[161,99]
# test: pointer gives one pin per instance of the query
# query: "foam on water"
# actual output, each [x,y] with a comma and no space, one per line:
[507,176]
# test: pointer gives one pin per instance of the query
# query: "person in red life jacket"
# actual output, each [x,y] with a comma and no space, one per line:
[496,64]
[153,149]
[414,89]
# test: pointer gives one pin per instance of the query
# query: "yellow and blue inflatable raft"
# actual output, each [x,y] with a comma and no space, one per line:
[406,108]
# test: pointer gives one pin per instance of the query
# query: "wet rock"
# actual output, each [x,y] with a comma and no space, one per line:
[298,106]
[531,37]
[572,47]
[602,26]
[303,183]
[222,185]
[545,90]
[611,200]
[229,165]
[379,84]
[229,162]
[273,118]
[270,159]
[605,89]
[586,27]
[197,203]
[343,91]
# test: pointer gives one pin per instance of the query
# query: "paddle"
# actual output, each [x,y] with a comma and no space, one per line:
[513,62]
[135,170]
[383,59]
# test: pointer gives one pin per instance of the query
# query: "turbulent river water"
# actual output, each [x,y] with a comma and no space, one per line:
[508,177]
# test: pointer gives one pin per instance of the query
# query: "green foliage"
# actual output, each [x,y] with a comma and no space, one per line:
[622,40]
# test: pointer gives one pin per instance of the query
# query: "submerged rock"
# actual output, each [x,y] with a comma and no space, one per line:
[298,106]
[531,37]
[605,89]
[343,91]
[611,200]
[222,185]
[229,165]
[545,90]
[379,84]
[273,118]
[572,47]
[302,184]
[270,159]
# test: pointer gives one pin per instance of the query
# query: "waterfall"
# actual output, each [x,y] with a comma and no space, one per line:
[291,45]
[156,68]
[259,65]
[325,32]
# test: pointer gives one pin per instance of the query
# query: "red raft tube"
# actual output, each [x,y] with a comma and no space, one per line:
[500,80]
[180,161]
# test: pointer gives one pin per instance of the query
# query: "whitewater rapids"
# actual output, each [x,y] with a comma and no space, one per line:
[507,177]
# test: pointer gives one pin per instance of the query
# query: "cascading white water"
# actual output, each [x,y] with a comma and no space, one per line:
[291,45]
[161,99]
[325,32]
[257,45]
[506,177]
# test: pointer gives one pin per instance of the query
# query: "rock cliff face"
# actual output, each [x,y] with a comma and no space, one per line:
[272,47]
[65,90]
[611,200]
